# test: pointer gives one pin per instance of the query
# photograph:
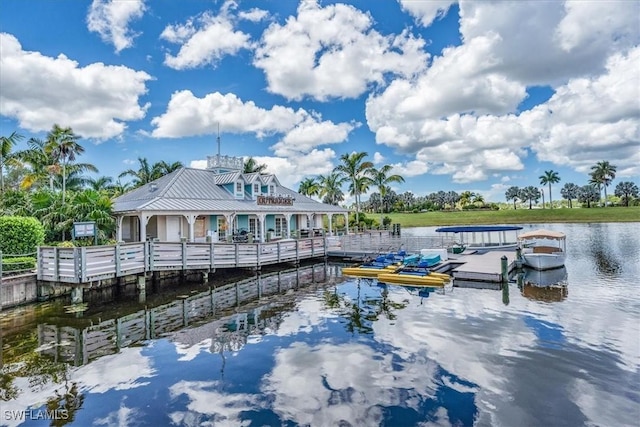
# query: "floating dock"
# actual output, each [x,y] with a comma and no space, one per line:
[471,266]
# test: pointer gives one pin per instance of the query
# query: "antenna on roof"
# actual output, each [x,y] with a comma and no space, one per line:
[218,139]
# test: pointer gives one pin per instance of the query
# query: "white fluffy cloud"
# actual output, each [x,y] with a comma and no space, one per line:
[426,11]
[333,52]
[253,15]
[593,119]
[204,40]
[111,19]
[95,100]
[460,116]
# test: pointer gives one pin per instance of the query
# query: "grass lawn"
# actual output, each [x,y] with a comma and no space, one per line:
[520,216]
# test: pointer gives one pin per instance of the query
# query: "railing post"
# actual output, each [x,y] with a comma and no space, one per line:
[76,265]
[212,257]
[116,250]
[184,255]
[258,252]
[278,247]
[83,265]
[56,266]
[237,255]
[149,257]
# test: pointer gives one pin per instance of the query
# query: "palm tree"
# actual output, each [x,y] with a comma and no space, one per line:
[331,188]
[381,179]
[163,168]
[100,183]
[142,176]
[63,146]
[513,193]
[530,194]
[354,167]
[251,166]
[309,187]
[6,145]
[549,177]
[588,193]
[570,192]
[478,199]
[626,190]
[603,173]
[40,163]
[466,197]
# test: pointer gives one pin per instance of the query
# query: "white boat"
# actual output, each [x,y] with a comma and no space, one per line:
[481,237]
[543,249]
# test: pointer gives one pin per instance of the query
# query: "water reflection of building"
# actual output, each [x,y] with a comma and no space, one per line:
[79,346]
[547,285]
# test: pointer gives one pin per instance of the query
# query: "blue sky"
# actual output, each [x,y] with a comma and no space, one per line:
[455,95]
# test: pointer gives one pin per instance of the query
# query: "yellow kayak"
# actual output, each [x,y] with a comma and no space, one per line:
[404,278]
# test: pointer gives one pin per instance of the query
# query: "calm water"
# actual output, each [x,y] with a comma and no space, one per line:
[329,350]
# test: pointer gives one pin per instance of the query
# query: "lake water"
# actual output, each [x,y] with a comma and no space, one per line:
[329,350]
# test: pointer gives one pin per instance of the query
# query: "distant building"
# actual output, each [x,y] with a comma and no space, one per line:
[219,204]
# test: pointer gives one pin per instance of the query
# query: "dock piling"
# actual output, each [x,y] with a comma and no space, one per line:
[504,267]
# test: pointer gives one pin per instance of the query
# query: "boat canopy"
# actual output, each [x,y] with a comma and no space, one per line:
[477,228]
[542,234]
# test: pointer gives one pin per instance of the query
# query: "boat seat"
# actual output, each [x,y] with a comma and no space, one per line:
[545,250]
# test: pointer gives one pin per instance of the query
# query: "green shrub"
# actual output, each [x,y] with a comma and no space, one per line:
[18,263]
[66,244]
[20,235]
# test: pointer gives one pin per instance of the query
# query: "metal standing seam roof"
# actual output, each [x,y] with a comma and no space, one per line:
[189,189]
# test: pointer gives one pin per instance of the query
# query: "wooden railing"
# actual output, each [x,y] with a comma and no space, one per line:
[86,264]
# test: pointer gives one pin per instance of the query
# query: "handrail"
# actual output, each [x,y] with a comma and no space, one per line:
[90,263]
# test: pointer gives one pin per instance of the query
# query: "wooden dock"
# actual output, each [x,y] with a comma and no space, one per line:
[92,263]
[482,266]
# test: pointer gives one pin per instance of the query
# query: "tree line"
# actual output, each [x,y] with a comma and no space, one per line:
[601,176]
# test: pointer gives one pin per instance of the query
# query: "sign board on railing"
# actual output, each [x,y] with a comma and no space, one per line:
[84,229]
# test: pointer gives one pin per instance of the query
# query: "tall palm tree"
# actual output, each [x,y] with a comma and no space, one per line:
[6,145]
[466,197]
[381,179]
[309,187]
[41,164]
[478,198]
[63,146]
[513,193]
[549,177]
[603,173]
[353,168]
[331,188]
[251,166]
[142,176]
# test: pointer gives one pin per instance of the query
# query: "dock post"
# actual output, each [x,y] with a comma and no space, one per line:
[518,257]
[141,284]
[504,264]
[76,295]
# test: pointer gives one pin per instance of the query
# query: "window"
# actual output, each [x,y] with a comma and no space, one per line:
[256,189]
[238,187]
[222,228]
[272,189]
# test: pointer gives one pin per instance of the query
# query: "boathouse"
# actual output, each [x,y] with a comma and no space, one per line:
[220,204]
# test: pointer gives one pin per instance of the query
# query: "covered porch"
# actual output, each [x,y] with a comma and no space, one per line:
[229,227]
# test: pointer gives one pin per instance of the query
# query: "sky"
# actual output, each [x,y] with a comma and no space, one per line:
[459,96]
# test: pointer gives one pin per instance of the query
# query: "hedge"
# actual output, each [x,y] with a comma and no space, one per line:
[18,263]
[20,235]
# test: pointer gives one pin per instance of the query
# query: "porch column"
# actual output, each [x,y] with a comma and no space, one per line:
[144,220]
[346,222]
[119,228]
[261,219]
[330,216]
[191,220]
[287,217]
